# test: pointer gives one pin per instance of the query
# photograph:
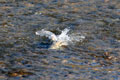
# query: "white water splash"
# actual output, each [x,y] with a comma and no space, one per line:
[60,40]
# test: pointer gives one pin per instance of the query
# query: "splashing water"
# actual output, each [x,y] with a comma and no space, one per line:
[60,40]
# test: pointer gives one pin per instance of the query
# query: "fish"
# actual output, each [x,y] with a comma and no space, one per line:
[60,40]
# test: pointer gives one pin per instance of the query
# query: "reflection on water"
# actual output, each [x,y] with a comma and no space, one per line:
[23,55]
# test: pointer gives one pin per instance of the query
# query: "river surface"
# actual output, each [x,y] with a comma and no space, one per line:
[23,57]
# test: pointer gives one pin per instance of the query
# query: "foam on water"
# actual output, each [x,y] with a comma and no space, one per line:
[60,40]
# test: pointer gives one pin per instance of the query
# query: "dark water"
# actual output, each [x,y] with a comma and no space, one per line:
[22,57]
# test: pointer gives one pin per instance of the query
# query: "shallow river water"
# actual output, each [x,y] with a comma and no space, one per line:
[26,56]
